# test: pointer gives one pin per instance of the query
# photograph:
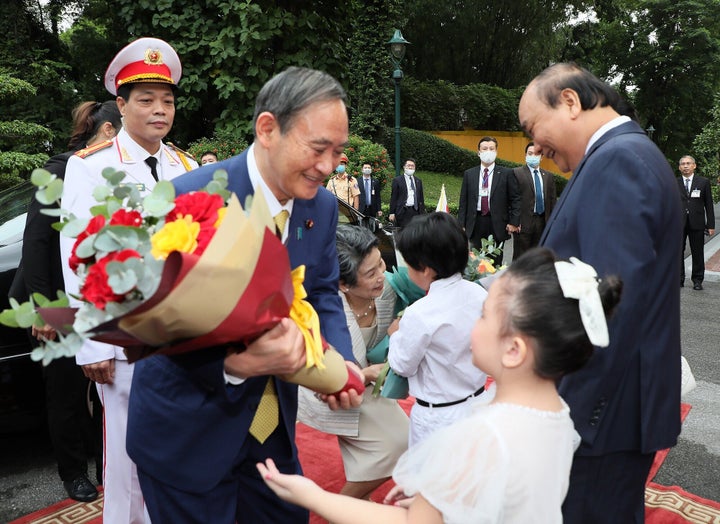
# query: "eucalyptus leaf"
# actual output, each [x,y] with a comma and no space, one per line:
[122,192]
[74,226]
[25,315]
[54,190]
[157,206]
[100,193]
[164,190]
[40,299]
[106,241]
[113,176]
[112,206]
[121,278]
[100,209]
[41,177]
[51,212]
[42,196]
[86,248]
[7,318]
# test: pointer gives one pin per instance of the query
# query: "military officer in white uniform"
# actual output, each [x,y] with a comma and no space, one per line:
[143,76]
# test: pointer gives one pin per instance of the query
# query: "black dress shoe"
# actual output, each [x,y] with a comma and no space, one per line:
[697,286]
[81,489]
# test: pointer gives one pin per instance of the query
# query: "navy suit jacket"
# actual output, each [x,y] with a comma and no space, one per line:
[189,429]
[620,212]
[375,202]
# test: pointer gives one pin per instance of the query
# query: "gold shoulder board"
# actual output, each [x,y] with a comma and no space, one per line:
[84,153]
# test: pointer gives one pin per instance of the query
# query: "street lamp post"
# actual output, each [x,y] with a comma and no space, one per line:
[397,51]
[650,130]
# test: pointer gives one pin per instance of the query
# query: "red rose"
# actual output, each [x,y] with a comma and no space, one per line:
[95,225]
[123,217]
[203,208]
[96,289]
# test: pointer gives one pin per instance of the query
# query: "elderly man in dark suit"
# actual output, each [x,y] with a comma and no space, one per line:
[369,186]
[537,200]
[620,212]
[191,419]
[407,199]
[698,216]
[489,200]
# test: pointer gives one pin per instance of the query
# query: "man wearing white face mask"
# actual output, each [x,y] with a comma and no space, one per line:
[344,186]
[370,203]
[489,200]
[406,198]
[537,200]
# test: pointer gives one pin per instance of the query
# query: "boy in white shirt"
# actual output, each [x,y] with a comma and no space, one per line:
[430,345]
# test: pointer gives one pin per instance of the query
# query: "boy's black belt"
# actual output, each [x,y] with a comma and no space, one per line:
[446,404]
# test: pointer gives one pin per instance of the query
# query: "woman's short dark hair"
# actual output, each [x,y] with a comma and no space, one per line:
[437,241]
[354,243]
[533,304]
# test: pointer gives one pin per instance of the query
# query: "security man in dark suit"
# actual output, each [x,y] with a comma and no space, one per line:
[698,216]
[369,186]
[489,200]
[537,200]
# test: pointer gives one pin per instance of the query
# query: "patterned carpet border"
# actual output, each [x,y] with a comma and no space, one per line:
[66,512]
[685,506]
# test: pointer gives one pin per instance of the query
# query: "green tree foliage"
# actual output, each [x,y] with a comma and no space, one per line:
[484,41]
[230,49]
[21,143]
[369,68]
[663,54]
[706,149]
[224,144]
[360,151]
[477,106]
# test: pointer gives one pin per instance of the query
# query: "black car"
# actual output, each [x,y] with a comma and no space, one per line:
[384,233]
[21,386]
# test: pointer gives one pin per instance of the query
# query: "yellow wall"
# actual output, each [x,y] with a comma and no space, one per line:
[511,145]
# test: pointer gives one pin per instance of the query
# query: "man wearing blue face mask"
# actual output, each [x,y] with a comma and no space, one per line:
[344,186]
[537,200]
[489,200]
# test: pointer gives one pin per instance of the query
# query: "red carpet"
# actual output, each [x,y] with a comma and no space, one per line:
[321,461]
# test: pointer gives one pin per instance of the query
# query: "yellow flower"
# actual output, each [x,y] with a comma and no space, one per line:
[179,235]
[486,266]
[221,216]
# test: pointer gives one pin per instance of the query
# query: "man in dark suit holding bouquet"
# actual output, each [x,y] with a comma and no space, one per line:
[194,420]
[698,216]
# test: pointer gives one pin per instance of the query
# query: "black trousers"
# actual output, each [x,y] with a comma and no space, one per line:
[405,215]
[607,489]
[483,229]
[75,434]
[529,236]
[697,247]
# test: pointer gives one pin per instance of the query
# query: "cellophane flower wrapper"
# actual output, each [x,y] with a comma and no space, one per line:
[237,289]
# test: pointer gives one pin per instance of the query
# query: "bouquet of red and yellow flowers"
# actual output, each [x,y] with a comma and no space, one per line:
[171,275]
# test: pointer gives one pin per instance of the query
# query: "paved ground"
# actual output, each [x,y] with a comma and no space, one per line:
[28,479]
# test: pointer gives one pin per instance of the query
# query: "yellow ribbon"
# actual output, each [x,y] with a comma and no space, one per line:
[307,320]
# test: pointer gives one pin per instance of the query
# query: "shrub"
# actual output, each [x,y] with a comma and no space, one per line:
[224,144]
[360,151]
[432,153]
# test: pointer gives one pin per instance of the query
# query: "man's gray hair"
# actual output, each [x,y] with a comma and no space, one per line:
[354,243]
[288,93]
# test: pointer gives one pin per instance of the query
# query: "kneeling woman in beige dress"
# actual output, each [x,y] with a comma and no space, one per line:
[373,436]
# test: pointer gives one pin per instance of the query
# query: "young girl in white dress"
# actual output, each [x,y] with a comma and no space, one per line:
[510,460]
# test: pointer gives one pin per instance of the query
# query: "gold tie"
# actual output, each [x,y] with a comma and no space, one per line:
[267,415]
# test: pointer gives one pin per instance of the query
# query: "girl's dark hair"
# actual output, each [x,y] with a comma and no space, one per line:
[354,243]
[87,119]
[533,304]
[437,241]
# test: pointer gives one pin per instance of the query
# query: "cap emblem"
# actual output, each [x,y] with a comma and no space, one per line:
[153,57]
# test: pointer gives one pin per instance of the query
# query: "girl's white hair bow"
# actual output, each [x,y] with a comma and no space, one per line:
[579,280]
